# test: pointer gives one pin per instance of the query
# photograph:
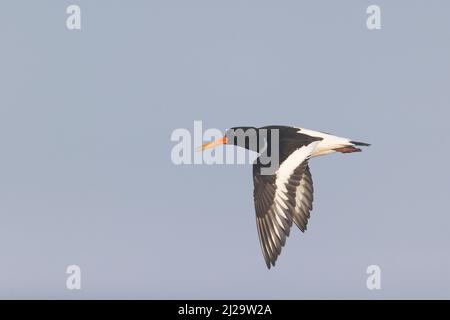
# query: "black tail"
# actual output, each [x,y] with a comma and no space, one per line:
[356,143]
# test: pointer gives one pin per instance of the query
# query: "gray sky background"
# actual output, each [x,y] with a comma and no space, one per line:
[85,124]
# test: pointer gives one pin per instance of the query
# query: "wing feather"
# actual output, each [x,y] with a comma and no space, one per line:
[282,199]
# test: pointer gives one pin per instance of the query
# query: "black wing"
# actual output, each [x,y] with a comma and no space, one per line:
[279,201]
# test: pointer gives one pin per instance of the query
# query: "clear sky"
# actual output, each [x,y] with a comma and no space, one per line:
[86,118]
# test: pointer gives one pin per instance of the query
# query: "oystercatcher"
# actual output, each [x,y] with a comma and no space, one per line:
[285,196]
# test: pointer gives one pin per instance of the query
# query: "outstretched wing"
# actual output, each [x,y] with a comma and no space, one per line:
[282,198]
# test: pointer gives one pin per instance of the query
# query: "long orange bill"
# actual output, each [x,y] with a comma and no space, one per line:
[214,143]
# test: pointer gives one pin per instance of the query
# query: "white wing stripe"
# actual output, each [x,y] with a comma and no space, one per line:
[288,166]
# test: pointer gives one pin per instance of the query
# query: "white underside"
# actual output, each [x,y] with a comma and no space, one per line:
[328,144]
[317,148]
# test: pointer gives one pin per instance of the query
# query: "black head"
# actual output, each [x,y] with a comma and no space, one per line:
[251,138]
[245,137]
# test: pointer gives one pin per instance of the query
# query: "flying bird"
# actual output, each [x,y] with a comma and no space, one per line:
[284,196]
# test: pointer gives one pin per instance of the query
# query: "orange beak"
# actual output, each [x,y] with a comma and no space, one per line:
[214,143]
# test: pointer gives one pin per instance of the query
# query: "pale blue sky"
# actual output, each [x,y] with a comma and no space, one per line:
[85,124]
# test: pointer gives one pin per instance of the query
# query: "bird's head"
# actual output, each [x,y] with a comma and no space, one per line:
[245,137]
